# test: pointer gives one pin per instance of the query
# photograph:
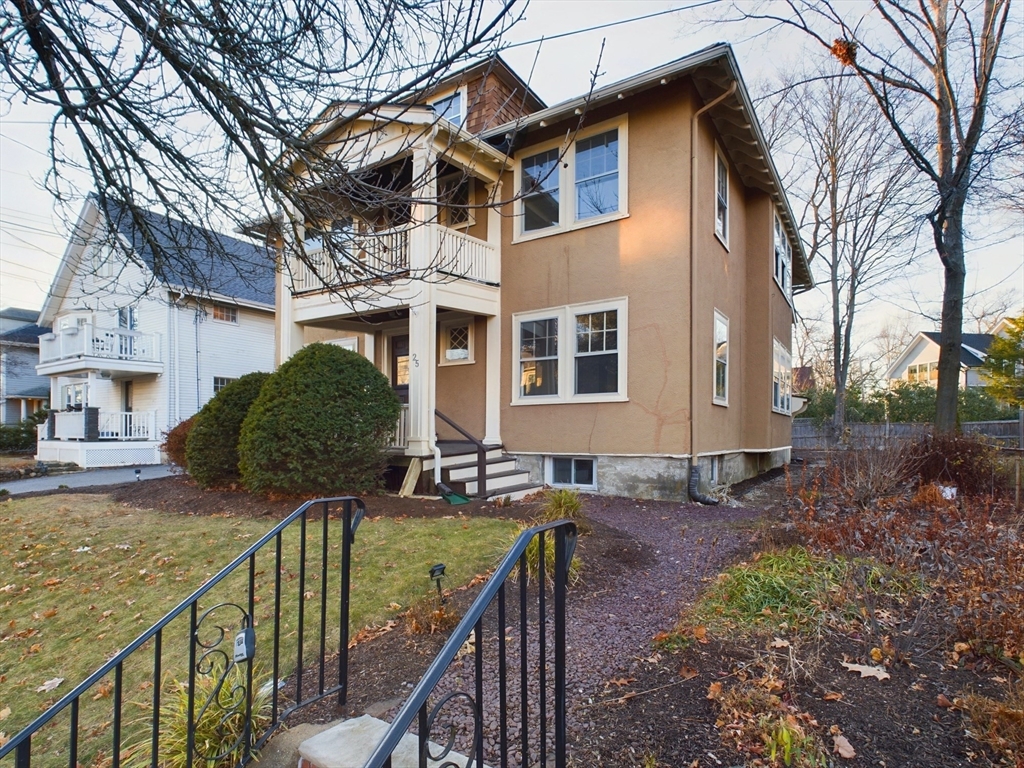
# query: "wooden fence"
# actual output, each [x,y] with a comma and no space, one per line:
[809,435]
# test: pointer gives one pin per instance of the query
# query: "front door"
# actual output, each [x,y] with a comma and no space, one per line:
[128,397]
[400,367]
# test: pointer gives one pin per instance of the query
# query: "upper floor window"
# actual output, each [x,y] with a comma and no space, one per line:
[571,353]
[225,313]
[782,378]
[450,108]
[219,382]
[721,197]
[721,396]
[783,258]
[126,318]
[561,189]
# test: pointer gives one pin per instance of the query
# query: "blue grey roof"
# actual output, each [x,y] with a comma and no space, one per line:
[194,258]
[16,313]
[978,341]
[25,334]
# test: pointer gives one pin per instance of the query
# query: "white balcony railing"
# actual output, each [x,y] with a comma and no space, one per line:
[113,425]
[69,425]
[373,255]
[401,438]
[107,343]
[127,425]
[446,251]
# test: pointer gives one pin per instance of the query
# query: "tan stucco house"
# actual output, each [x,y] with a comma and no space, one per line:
[625,310]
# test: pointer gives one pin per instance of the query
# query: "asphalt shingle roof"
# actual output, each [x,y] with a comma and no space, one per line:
[197,259]
[26,334]
[978,341]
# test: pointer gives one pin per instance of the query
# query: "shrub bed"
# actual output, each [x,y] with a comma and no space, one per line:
[320,426]
[211,448]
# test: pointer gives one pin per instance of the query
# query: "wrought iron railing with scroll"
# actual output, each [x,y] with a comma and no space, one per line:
[288,576]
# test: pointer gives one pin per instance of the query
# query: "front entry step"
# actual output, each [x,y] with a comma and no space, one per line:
[350,744]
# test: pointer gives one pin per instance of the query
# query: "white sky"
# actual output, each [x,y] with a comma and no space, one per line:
[32,233]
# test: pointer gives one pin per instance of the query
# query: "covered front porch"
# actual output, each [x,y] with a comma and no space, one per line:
[94,437]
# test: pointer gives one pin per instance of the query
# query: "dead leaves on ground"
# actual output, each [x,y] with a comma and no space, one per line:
[867,670]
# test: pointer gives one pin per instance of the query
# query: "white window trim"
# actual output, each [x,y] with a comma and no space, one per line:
[723,237]
[229,307]
[714,360]
[567,182]
[345,342]
[442,340]
[463,106]
[567,352]
[549,472]
[786,385]
[787,290]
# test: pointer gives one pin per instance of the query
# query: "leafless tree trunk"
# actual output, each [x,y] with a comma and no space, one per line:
[937,56]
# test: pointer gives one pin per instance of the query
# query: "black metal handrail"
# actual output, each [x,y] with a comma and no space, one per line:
[204,656]
[481,454]
[415,709]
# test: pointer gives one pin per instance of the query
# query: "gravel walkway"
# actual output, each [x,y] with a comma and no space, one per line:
[665,550]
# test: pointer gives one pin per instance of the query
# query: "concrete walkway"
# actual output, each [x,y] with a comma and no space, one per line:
[87,479]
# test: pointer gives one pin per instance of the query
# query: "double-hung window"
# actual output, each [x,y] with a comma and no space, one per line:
[573,353]
[450,108]
[721,394]
[225,313]
[562,188]
[782,378]
[721,197]
[783,258]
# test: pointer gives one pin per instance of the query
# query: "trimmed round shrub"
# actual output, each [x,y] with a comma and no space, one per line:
[174,442]
[212,446]
[319,426]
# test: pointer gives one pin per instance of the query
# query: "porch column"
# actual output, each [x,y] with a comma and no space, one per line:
[492,387]
[422,307]
[494,231]
[24,409]
[288,333]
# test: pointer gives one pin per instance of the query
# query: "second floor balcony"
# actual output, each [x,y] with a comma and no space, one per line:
[430,251]
[119,352]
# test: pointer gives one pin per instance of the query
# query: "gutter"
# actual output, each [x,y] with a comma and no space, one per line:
[693,254]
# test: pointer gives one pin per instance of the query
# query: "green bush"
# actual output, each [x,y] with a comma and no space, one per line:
[211,448]
[319,426]
[564,504]
[174,442]
[21,437]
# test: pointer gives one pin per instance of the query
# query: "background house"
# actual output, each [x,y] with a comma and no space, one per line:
[625,312]
[132,353]
[919,361]
[22,390]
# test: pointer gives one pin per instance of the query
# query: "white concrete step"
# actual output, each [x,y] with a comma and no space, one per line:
[458,473]
[496,483]
[461,458]
[515,493]
[350,744]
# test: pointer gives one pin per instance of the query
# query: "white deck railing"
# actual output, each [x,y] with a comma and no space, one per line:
[108,343]
[448,252]
[372,255]
[401,438]
[69,425]
[127,425]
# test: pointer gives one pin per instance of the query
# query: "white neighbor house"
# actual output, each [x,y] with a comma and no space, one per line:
[131,354]
[919,361]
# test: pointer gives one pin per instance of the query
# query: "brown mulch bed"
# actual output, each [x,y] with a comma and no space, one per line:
[629,703]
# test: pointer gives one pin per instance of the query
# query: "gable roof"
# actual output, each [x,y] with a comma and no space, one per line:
[713,70]
[973,346]
[196,261]
[26,334]
[188,258]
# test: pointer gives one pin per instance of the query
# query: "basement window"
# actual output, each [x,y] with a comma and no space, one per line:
[572,472]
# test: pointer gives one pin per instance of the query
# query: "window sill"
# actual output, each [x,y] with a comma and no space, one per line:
[723,240]
[571,400]
[524,237]
[449,363]
[780,412]
[722,403]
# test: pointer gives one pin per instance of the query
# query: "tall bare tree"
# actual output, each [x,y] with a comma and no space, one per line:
[861,204]
[197,108]
[939,75]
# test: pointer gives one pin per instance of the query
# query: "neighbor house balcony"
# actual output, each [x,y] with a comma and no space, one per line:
[114,352]
[431,251]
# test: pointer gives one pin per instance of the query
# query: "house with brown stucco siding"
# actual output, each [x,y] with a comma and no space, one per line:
[596,294]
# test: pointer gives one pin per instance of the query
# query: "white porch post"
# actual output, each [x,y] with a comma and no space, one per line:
[289,333]
[492,386]
[423,308]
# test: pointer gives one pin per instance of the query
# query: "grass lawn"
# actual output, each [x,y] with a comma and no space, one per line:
[16,460]
[80,577]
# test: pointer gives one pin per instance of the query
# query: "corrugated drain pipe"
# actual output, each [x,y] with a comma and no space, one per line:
[696,495]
